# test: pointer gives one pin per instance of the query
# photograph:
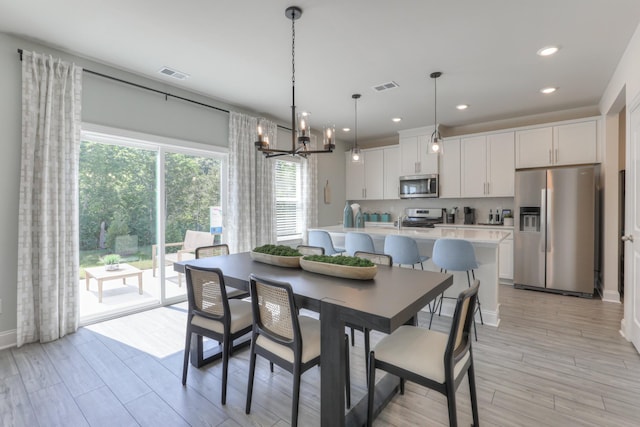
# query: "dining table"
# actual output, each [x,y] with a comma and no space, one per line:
[392,298]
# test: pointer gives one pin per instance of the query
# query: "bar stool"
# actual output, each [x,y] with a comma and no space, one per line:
[456,255]
[323,239]
[355,242]
[403,250]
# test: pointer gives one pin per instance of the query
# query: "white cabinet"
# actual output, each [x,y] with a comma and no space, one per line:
[365,181]
[505,258]
[355,179]
[566,144]
[450,168]
[391,173]
[415,157]
[487,165]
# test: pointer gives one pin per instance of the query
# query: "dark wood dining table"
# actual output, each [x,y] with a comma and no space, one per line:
[393,297]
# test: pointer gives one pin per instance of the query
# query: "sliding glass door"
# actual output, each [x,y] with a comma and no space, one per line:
[143,206]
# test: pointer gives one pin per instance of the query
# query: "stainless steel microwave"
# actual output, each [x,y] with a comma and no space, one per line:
[416,186]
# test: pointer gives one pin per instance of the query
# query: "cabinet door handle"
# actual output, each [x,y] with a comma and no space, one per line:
[550,158]
[556,161]
[488,188]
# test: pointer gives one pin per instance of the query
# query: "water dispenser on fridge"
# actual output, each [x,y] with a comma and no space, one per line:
[530,219]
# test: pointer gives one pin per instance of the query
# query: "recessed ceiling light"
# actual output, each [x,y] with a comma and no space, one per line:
[346,129]
[462,106]
[548,50]
[548,90]
[397,119]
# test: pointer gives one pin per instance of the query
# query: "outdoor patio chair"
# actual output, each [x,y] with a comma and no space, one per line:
[192,241]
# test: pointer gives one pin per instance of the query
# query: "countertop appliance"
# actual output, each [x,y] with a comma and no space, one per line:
[418,186]
[469,215]
[420,217]
[556,230]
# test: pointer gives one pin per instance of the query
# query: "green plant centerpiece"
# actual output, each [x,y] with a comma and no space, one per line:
[348,267]
[280,255]
[111,262]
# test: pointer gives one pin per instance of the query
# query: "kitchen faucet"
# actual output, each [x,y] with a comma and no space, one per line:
[400,219]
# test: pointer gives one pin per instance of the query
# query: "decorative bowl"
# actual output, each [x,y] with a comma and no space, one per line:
[336,270]
[280,261]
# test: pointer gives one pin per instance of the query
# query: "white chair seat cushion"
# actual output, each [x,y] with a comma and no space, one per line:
[241,317]
[310,331]
[417,350]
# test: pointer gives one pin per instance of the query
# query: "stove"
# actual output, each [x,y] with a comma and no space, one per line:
[425,218]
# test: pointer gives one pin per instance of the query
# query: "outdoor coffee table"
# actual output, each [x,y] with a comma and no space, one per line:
[100,274]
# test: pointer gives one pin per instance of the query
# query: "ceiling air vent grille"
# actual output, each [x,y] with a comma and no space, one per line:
[173,73]
[385,86]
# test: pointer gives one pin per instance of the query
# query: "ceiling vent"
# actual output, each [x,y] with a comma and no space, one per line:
[385,86]
[173,73]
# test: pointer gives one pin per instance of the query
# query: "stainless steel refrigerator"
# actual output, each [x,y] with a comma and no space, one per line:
[556,229]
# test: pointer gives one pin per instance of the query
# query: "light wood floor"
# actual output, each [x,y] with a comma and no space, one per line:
[554,361]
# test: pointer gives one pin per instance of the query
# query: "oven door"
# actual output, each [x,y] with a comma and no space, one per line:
[417,186]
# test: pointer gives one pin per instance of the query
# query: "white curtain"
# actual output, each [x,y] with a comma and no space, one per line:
[251,208]
[48,279]
[309,172]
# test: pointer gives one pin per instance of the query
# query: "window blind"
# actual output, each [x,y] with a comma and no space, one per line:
[287,198]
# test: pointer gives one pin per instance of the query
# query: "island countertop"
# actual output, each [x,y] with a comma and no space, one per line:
[477,236]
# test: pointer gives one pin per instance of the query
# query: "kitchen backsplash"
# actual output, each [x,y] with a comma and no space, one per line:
[397,207]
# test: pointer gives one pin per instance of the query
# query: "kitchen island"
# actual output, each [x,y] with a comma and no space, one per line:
[485,244]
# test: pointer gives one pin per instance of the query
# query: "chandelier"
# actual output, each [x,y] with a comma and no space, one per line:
[356,154]
[300,127]
[436,139]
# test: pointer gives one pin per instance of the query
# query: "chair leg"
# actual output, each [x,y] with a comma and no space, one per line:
[472,393]
[225,368]
[367,349]
[451,403]
[187,347]
[402,386]
[347,374]
[371,388]
[352,337]
[296,396]
[252,370]
[271,366]
[475,331]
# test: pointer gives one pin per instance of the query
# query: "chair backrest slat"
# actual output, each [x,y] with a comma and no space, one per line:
[206,292]
[274,311]
[380,259]
[310,250]
[460,334]
[212,250]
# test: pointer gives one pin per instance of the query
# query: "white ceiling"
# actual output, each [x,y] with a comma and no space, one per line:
[239,51]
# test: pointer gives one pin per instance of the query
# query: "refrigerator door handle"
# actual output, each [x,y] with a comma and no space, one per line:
[543,221]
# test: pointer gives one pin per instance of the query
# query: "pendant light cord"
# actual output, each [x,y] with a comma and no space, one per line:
[356,132]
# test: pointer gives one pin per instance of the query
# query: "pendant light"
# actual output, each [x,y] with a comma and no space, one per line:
[436,139]
[300,128]
[356,154]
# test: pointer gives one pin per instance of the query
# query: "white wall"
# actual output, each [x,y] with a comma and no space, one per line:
[108,103]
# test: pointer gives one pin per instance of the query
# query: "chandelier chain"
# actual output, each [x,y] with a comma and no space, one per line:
[293,51]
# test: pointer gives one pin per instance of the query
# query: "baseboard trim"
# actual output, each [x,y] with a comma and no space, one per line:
[490,318]
[611,296]
[8,339]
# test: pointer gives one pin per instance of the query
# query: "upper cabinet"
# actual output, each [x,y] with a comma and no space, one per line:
[487,165]
[391,173]
[414,152]
[371,179]
[566,144]
[450,168]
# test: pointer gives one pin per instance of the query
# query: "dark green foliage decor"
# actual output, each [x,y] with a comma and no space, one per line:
[279,250]
[350,261]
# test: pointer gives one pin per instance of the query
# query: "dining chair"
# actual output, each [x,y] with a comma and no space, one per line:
[403,250]
[437,360]
[217,250]
[211,314]
[310,250]
[456,255]
[285,338]
[380,259]
[354,242]
[323,239]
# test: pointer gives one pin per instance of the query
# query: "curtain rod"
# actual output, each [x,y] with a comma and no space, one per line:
[166,94]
